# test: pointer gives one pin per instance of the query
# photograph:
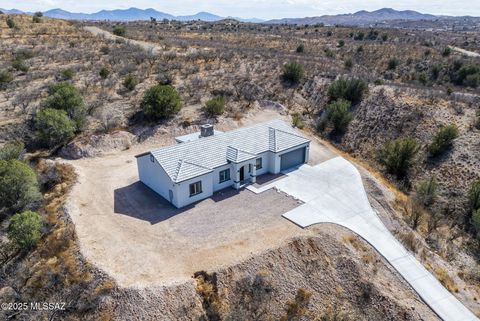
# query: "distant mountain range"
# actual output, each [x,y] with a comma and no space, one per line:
[360,18]
[131,14]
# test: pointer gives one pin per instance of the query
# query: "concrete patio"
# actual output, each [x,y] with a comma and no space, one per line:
[333,192]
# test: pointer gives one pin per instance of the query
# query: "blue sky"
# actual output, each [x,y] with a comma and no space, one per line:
[267,9]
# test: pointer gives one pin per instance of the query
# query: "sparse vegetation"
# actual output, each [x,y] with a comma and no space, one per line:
[426,191]
[5,77]
[215,106]
[130,82]
[18,187]
[65,96]
[161,101]
[443,140]
[293,72]
[20,65]
[12,150]
[351,89]
[301,48]
[54,127]
[338,115]
[297,308]
[104,72]
[393,63]
[120,31]
[25,229]
[67,74]
[11,23]
[399,156]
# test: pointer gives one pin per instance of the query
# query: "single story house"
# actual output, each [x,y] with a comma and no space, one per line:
[205,162]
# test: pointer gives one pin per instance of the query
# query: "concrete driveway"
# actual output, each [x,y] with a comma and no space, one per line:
[333,192]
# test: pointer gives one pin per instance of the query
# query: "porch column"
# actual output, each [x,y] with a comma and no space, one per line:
[236,176]
[253,174]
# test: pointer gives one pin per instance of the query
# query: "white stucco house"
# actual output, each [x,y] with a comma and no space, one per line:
[205,162]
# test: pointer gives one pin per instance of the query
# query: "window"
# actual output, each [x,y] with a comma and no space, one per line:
[258,163]
[195,188]
[224,175]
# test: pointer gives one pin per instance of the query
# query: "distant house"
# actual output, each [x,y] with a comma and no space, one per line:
[205,162]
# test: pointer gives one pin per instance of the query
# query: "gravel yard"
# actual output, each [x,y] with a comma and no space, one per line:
[139,238]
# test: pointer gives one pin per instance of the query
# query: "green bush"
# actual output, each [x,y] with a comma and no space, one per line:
[293,72]
[5,77]
[446,51]
[349,89]
[12,150]
[348,63]
[67,74]
[215,106]
[359,36]
[18,187]
[161,101]
[105,50]
[104,72]
[393,63]
[443,140]
[36,19]
[426,191]
[341,43]
[20,65]
[465,74]
[474,196]
[399,156]
[119,31]
[130,82]
[297,121]
[54,127]
[38,14]
[301,48]
[11,23]
[338,115]
[25,229]
[64,96]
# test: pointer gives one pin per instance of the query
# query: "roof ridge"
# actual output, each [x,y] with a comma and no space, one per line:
[177,170]
[290,133]
[198,165]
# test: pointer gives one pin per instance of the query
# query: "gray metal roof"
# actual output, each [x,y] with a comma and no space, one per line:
[194,158]
[193,136]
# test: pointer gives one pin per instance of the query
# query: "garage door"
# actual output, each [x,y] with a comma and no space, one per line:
[293,158]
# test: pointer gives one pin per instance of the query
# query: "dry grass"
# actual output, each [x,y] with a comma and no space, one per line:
[444,278]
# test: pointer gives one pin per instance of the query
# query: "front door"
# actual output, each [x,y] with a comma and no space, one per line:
[242,173]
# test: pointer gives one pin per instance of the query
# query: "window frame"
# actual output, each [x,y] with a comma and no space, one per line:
[192,187]
[257,167]
[226,177]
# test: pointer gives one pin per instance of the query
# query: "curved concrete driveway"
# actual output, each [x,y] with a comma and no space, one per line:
[333,193]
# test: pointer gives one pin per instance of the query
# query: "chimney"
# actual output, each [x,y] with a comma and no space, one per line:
[206,130]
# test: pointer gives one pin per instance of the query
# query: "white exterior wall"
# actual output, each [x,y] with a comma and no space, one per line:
[266,160]
[153,175]
[216,178]
[183,190]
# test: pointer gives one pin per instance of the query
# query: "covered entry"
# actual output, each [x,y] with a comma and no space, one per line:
[291,159]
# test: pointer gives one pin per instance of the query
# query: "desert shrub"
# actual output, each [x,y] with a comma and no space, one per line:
[54,127]
[399,156]
[474,196]
[443,140]
[435,71]
[446,52]
[301,48]
[359,36]
[20,65]
[215,106]
[105,50]
[130,82]
[341,43]
[23,54]
[5,77]
[297,309]
[476,220]
[104,72]
[65,96]
[18,187]
[25,229]
[67,74]
[37,17]
[384,37]
[372,35]
[11,150]
[338,115]
[297,121]
[426,191]
[119,31]
[161,101]
[465,74]
[352,90]
[293,72]
[477,120]
[348,63]
[392,63]
[11,23]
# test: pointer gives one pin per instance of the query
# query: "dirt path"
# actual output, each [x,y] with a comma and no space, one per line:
[465,52]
